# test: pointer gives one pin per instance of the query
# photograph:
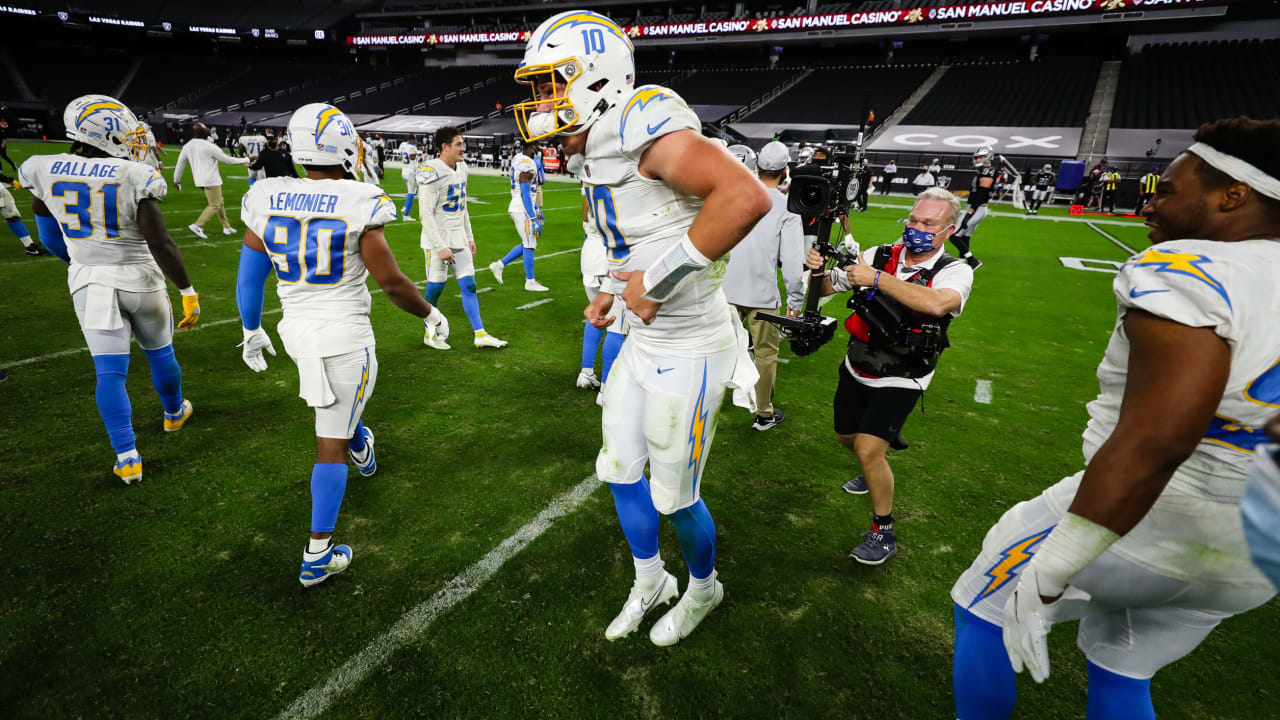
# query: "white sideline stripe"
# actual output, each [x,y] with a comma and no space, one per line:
[784,361]
[483,290]
[535,303]
[214,323]
[982,392]
[415,622]
[1108,236]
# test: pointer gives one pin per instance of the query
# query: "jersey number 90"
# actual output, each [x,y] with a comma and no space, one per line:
[314,250]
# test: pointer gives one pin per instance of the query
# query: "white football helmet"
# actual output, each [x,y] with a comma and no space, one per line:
[105,123]
[320,134]
[806,154]
[981,155]
[745,155]
[589,62]
[1048,167]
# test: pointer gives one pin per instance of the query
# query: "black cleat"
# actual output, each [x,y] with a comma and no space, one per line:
[856,486]
[898,442]
[973,262]
[876,547]
[34,250]
[764,423]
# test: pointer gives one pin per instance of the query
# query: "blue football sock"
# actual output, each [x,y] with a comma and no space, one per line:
[167,377]
[18,228]
[637,516]
[357,439]
[328,483]
[528,263]
[590,343]
[511,256]
[408,203]
[983,681]
[470,303]
[113,400]
[434,289]
[612,346]
[251,181]
[1116,697]
[697,538]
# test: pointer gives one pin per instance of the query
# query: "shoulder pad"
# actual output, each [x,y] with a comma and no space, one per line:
[147,182]
[651,112]
[426,174]
[1178,282]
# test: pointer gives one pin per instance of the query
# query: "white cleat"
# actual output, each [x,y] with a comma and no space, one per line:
[639,603]
[535,286]
[228,231]
[587,379]
[496,268]
[198,231]
[487,340]
[680,621]
[432,339]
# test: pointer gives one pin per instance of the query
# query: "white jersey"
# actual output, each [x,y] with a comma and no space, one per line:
[520,165]
[367,165]
[641,218]
[408,152]
[593,261]
[95,200]
[445,189]
[252,145]
[1231,288]
[311,230]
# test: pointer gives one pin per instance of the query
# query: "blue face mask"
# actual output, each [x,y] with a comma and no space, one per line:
[916,240]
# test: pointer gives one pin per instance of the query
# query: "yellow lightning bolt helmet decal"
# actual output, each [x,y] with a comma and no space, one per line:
[326,116]
[96,106]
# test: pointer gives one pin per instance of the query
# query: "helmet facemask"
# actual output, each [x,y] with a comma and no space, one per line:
[562,117]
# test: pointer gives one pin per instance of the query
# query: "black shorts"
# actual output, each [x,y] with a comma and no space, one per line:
[860,409]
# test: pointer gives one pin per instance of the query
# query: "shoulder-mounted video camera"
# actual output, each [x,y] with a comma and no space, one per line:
[831,191]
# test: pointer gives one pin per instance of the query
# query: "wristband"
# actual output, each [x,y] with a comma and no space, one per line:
[434,317]
[673,270]
[189,290]
[875,286]
[1072,545]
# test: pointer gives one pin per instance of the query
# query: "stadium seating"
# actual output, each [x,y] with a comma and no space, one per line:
[1046,93]
[728,87]
[835,95]
[1180,85]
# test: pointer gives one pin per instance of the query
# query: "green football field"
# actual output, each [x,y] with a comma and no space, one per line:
[487,563]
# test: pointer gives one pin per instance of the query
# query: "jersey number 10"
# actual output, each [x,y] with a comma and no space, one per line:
[296,249]
[600,197]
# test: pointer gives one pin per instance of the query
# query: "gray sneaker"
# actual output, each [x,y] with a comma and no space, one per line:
[856,486]
[876,547]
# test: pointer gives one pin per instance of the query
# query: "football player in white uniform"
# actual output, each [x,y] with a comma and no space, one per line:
[669,203]
[526,213]
[154,155]
[251,146]
[1260,508]
[595,280]
[367,163]
[409,171]
[447,237]
[13,218]
[97,208]
[1145,546]
[323,236]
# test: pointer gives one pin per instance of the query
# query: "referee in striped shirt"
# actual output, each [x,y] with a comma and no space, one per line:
[1147,188]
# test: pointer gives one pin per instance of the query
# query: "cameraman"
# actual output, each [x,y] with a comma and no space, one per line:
[751,279]
[887,368]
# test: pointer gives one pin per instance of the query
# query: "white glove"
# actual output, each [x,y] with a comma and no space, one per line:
[438,321]
[255,341]
[850,246]
[1027,621]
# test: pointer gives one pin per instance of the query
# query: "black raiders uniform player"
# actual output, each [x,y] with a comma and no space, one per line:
[984,181]
[1043,188]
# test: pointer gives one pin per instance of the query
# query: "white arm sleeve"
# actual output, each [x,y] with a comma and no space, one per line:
[428,198]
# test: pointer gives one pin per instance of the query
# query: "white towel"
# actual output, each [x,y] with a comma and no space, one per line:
[101,311]
[313,382]
[745,376]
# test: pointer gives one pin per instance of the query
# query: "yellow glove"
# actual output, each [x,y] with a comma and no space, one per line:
[190,311]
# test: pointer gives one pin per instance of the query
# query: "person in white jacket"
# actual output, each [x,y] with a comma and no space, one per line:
[751,279]
[204,156]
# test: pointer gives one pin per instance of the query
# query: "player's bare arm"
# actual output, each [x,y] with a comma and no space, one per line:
[382,266]
[1175,381]
[733,201]
[168,257]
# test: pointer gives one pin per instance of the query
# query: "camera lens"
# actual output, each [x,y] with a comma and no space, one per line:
[811,195]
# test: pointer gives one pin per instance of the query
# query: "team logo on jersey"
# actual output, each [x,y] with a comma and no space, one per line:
[1181,263]
[642,98]
[698,427]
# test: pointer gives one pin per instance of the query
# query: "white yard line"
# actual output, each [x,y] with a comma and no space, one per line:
[535,303]
[982,392]
[414,623]
[1108,236]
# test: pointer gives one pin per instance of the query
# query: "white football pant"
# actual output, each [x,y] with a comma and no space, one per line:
[107,316]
